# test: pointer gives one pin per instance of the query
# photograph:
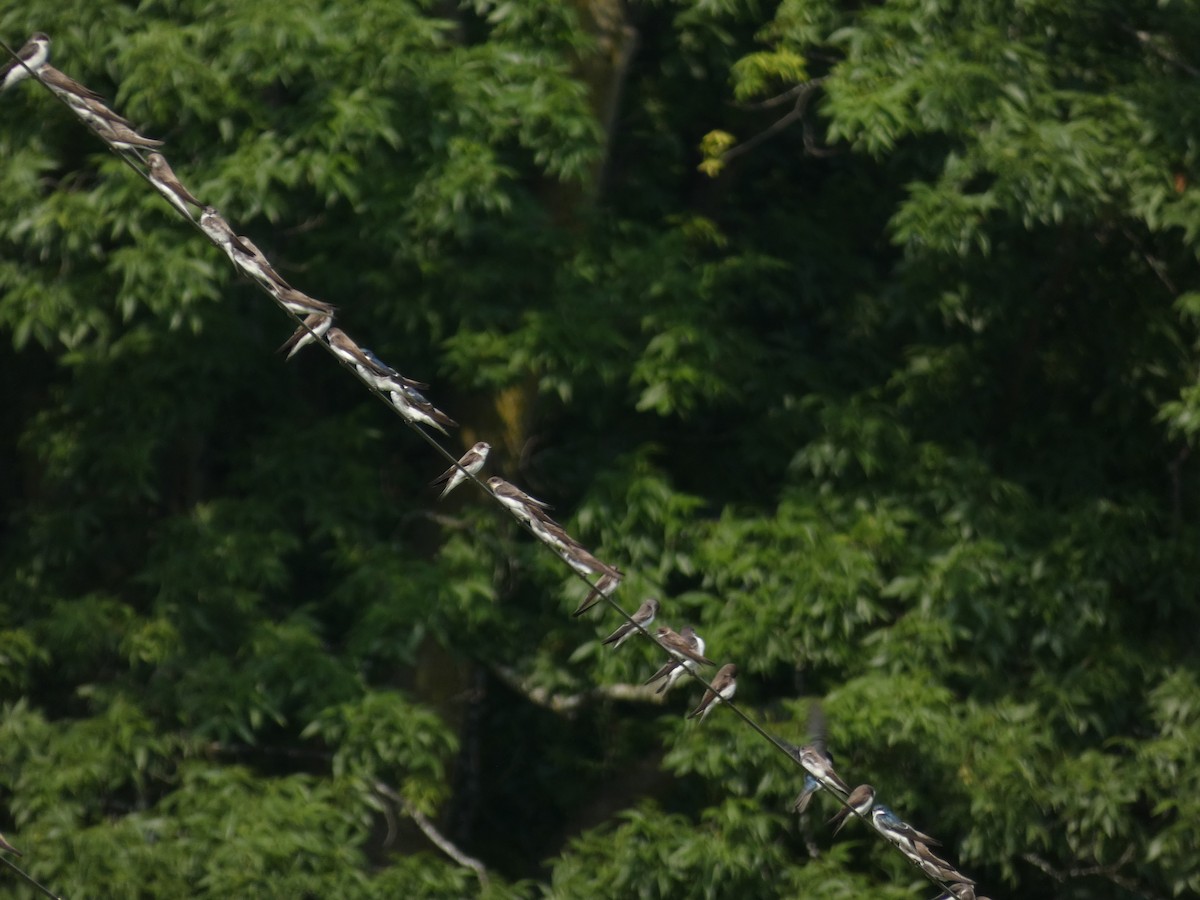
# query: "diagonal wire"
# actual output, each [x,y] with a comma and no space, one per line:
[777,742]
[29,878]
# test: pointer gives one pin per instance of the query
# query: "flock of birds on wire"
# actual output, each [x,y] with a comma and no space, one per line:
[685,647]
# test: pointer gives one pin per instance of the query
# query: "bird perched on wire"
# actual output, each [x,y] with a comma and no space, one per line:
[724,686]
[860,801]
[677,666]
[35,53]
[471,463]
[818,741]
[644,616]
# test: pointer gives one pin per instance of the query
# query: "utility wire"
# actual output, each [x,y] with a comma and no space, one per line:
[778,743]
[29,878]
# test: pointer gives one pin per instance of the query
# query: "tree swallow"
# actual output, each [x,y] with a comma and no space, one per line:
[898,832]
[214,225]
[644,616]
[315,326]
[34,55]
[163,178]
[5,845]
[472,461]
[724,686]
[861,799]
[674,668]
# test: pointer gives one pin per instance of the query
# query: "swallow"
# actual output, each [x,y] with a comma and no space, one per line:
[34,54]
[315,326]
[66,86]
[412,404]
[213,224]
[674,669]
[5,845]
[84,102]
[255,264]
[471,463]
[644,616]
[519,503]
[549,532]
[724,686]
[680,647]
[960,890]
[818,740]
[122,137]
[819,764]
[346,349]
[807,790]
[608,583]
[898,832]
[164,178]
[934,865]
[575,554]
[102,120]
[375,372]
[860,801]
[301,304]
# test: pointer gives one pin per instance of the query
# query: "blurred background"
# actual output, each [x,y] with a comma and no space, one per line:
[865,336]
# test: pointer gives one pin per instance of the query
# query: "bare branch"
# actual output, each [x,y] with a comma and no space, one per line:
[777,100]
[803,94]
[570,703]
[1161,47]
[1110,872]
[430,831]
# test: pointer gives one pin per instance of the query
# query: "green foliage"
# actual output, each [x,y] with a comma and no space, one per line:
[897,405]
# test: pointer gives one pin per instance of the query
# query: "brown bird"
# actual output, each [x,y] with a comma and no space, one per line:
[724,685]
[5,845]
[123,137]
[609,582]
[644,616]
[314,327]
[675,668]
[471,463]
[169,185]
[861,799]
[680,647]
[61,83]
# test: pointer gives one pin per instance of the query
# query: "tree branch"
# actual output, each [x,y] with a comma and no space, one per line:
[430,831]
[570,703]
[803,94]
[1109,873]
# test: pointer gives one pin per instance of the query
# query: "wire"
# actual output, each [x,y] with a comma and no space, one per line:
[33,881]
[779,744]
